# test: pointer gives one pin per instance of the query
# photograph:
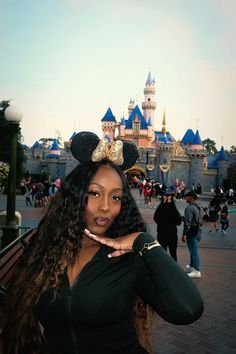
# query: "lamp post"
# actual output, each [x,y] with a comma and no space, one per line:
[10,230]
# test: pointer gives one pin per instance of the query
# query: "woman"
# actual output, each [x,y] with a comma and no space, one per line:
[89,291]
[167,217]
[214,209]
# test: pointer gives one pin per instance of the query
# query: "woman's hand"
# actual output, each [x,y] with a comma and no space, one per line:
[122,244]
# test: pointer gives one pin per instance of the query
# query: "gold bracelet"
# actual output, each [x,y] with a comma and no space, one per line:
[148,246]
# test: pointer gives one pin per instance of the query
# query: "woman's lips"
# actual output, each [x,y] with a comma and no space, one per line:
[100,221]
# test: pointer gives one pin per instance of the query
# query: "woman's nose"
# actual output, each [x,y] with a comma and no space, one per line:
[104,204]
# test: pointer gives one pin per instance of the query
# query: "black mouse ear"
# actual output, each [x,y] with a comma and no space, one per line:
[130,154]
[83,145]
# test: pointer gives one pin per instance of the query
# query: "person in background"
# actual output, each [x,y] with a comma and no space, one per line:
[224,219]
[193,219]
[93,277]
[167,218]
[214,209]
[28,196]
[53,190]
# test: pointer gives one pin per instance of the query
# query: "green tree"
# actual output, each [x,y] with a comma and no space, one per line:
[5,143]
[210,146]
[47,142]
[233,149]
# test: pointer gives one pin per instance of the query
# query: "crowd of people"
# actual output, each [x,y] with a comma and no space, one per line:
[152,189]
[39,194]
[217,212]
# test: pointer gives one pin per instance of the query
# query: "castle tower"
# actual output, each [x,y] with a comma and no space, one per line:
[222,165]
[149,105]
[130,106]
[196,154]
[109,124]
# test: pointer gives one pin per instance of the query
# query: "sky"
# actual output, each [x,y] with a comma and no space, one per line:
[64,62]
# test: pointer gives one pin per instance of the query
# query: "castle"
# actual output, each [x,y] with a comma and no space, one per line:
[160,155]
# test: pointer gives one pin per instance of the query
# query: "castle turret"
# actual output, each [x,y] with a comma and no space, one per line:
[54,151]
[149,105]
[109,124]
[150,129]
[222,164]
[122,127]
[130,106]
[195,152]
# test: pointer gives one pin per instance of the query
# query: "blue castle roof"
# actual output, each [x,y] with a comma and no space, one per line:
[55,145]
[150,79]
[136,112]
[163,137]
[109,117]
[197,140]
[222,155]
[54,150]
[188,137]
[36,145]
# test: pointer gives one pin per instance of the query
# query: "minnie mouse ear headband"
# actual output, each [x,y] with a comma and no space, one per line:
[87,146]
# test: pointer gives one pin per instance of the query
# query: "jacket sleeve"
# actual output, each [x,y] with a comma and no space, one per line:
[188,216]
[164,286]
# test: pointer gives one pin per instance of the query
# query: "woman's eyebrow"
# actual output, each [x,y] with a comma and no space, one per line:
[97,184]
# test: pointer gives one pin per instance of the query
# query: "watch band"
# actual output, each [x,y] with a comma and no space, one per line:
[148,246]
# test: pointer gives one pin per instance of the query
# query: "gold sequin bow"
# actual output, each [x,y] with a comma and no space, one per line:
[111,151]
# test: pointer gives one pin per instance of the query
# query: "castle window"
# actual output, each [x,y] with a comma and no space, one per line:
[136,127]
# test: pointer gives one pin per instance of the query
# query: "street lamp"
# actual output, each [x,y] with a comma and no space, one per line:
[10,230]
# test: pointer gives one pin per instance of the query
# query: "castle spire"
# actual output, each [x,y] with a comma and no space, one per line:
[164,123]
[149,79]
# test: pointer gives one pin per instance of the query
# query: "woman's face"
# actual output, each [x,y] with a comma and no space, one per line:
[104,200]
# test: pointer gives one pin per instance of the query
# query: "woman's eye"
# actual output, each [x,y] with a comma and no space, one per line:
[116,197]
[93,193]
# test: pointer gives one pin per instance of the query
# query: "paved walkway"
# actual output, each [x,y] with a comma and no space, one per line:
[214,332]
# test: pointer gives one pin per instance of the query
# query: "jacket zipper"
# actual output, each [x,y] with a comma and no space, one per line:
[72,331]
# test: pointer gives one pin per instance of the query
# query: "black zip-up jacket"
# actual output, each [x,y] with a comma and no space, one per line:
[95,316]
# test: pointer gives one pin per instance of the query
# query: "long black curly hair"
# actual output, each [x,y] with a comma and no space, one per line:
[54,246]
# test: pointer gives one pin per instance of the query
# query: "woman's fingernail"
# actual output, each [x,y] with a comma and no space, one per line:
[86,231]
[109,255]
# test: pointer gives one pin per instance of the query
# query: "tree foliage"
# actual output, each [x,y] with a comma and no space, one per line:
[210,146]
[5,143]
[47,142]
[233,149]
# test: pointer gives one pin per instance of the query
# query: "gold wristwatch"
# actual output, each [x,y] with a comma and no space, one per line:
[148,246]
